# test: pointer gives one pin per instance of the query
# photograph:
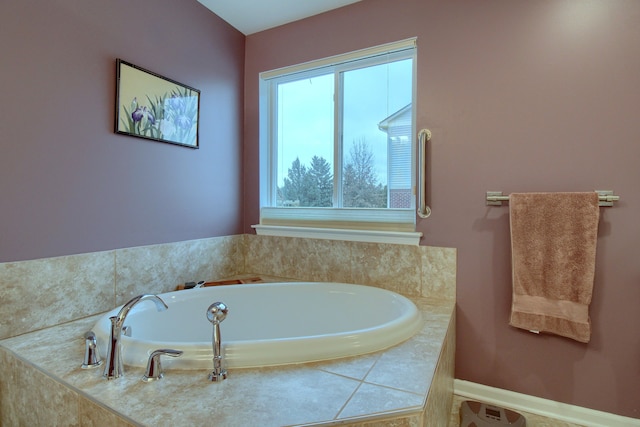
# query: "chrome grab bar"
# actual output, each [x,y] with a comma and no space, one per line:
[423,137]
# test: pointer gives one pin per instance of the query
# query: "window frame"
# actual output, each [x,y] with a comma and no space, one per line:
[373,225]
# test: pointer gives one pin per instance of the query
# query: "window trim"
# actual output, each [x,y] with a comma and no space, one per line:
[321,223]
[349,235]
[383,49]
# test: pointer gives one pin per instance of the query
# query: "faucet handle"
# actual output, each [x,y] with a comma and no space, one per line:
[154,367]
[91,356]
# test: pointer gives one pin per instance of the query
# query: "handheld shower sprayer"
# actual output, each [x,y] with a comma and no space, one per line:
[216,313]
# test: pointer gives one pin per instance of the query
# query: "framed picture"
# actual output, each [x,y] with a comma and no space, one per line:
[154,107]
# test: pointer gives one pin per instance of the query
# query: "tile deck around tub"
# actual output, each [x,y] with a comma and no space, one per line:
[392,383]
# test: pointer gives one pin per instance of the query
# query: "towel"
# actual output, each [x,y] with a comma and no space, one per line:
[553,249]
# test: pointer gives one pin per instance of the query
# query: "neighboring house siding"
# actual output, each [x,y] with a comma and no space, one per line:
[399,156]
[398,130]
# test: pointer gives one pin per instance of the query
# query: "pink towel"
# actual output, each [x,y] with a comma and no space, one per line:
[553,250]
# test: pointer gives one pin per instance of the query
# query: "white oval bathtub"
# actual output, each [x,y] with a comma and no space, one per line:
[267,324]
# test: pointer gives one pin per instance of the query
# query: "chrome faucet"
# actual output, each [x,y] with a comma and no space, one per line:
[154,366]
[113,366]
[91,356]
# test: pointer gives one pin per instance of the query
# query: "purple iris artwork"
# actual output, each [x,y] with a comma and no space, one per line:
[169,117]
[160,109]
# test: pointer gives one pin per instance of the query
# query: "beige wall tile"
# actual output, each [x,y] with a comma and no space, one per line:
[319,260]
[440,397]
[41,293]
[352,367]
[91,414]
[371,399]
[270,255]
[409,270]
[30,398]
[160,268]
[393,267]
[438,272]
[413,421]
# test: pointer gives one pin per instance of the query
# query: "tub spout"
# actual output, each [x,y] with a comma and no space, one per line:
[216,313]
[114,366]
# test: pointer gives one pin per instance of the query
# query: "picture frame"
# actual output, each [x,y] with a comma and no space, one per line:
[154,107]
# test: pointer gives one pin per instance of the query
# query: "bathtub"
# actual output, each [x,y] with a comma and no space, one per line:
[267,324]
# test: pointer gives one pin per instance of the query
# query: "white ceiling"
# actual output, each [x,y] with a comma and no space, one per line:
[251,16]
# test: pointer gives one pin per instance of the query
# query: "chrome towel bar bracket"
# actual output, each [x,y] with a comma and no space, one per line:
[605,198]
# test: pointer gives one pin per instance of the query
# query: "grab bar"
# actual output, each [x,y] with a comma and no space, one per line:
[423,137]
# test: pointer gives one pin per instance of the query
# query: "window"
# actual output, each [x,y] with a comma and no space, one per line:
[336,140]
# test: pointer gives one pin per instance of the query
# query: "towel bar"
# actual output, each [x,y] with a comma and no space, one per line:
[605,197]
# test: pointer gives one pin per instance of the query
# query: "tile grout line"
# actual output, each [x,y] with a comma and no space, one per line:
[360,382]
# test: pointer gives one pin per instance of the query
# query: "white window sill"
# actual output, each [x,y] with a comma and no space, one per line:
[371,236]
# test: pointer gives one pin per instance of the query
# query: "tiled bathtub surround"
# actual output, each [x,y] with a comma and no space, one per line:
[41,293]
[46,292]
[409,270]
[160,268]
[407,385]
[69,291]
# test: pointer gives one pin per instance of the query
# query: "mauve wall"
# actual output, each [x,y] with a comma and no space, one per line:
[68,184]
[520,96]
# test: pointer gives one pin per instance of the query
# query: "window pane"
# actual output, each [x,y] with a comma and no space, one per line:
[377,136]
[305,135]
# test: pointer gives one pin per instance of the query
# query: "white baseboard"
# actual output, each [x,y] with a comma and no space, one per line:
[546,408]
